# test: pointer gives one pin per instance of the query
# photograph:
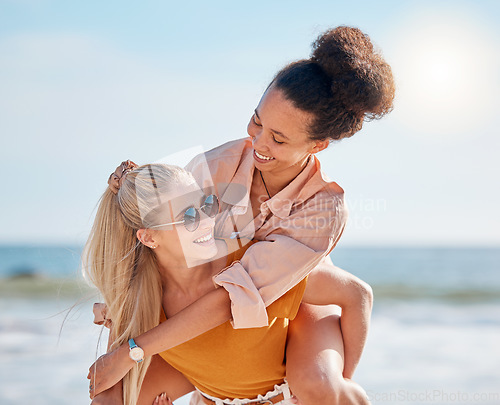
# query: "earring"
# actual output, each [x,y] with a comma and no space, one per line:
[153,246]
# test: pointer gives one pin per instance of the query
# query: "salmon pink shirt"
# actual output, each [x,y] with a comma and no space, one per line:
[297,228]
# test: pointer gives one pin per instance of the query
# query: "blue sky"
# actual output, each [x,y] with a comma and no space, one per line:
[85,85]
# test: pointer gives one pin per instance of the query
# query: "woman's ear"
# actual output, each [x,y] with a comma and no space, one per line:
[146,238]
[320,145]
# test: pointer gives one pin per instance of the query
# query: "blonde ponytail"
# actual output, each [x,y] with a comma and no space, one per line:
[123,269]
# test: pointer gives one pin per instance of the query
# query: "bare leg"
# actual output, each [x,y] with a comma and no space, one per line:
[112,396]
[161,378]
[315,359]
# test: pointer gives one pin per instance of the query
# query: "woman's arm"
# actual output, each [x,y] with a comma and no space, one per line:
[331,285]
[210,311]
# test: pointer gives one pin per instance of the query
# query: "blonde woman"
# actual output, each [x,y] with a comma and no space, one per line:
[151,222]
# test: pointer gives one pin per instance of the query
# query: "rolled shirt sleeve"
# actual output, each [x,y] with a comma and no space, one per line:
[247,307]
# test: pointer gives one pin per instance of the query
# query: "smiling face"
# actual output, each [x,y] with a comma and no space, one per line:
[177,241]
[280,137]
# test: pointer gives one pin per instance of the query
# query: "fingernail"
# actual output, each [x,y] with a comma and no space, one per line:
[157,399]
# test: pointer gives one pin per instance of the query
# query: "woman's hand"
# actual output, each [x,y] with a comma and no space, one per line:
[108,370]
[101,315]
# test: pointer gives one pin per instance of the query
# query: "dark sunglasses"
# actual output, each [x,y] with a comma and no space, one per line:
[191,218]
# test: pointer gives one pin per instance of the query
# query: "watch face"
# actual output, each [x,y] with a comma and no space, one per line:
[136,354]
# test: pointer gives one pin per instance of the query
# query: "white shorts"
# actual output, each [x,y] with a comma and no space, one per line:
[196,397]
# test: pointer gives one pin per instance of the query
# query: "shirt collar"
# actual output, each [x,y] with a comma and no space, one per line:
[237,192]
[281,203]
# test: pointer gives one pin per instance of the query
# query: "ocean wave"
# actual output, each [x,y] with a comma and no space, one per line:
[34,285]
[425,292]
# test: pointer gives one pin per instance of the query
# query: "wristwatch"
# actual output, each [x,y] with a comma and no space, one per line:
[135,353]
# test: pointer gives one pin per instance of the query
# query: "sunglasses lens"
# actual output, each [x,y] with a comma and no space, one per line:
[191,219]
[211,206]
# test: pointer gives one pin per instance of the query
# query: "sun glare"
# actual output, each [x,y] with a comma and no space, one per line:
[446,71]
[438,72]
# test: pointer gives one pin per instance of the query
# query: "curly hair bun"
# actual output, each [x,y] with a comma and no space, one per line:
[360,78]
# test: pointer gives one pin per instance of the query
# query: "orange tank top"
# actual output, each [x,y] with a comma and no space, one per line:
[239,363]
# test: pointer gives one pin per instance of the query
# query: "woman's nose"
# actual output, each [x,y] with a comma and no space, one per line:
[257,138]
[253,130]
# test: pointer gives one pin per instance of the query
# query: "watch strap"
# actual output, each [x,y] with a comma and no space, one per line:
[132,344]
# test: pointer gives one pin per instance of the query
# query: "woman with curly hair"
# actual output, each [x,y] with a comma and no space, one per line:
[297,214]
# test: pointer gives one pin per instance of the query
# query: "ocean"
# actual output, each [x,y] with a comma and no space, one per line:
[434,337]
